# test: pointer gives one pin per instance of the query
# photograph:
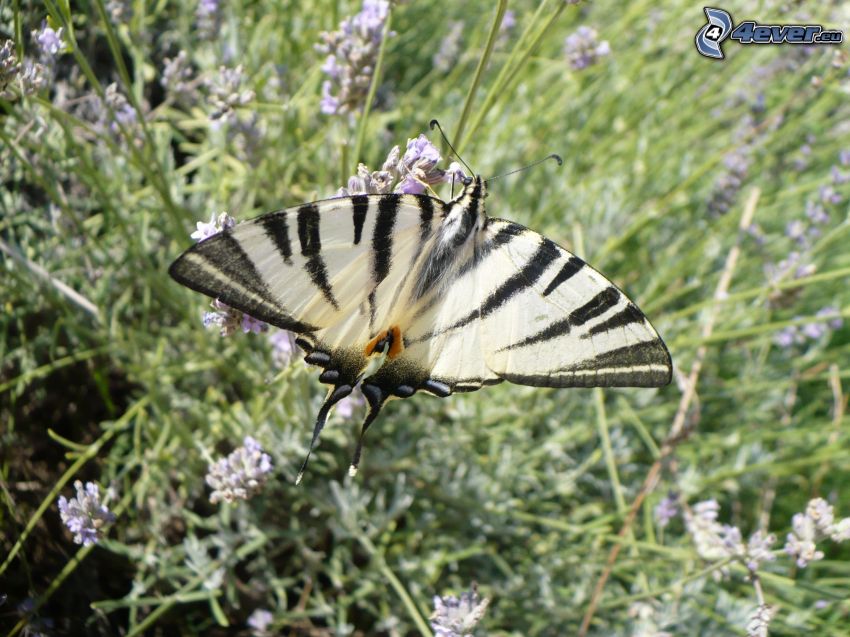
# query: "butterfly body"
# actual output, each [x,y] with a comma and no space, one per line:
[445,298]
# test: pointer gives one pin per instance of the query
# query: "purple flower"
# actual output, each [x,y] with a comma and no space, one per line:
[449,48]
[352,52]
[85,515]
[458,616]
[508,21]
[122,112]
[241,475]
[345,408]
[666,510]
[216,224]
[418,166]
[816,212]
[836,322]
[583,49]
[283,347]
[726,187]
[259,622]
[226,93]
[813,331]
[250,324]
[844,157]
[796,230]
[829,195]
[786,337]
[207,15]
[177,79]
[9,68]
[49,41]
[838,177]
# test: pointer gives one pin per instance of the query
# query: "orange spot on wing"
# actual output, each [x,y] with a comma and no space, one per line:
[396,345]
[396,342]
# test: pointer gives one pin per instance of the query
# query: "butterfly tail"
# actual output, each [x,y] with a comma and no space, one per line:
[376,397]
[337,393]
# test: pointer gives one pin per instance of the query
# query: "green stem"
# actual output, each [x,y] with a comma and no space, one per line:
[479,71]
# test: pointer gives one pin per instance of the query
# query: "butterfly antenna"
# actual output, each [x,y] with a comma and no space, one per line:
[557,158]
[376,398]
[435,124]
[334,396]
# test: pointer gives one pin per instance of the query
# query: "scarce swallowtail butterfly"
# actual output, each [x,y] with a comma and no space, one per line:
[418,294]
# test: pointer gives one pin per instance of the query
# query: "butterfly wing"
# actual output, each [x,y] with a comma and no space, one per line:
[313,267]
[556,322]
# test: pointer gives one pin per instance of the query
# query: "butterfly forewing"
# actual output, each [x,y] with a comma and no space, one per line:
[560,323]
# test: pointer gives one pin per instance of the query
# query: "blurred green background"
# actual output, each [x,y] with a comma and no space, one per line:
[713,192]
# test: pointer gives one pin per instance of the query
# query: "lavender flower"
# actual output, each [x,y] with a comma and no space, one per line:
[829,195]
[367,182]
[124,114]
[250,324]
[120,11]
[508,22]
[85,515]
[177,79]
[816,212]
[715,541]
[760,621]
[226,94]
[794,334]
[801,542]
[49,41]
[844,157]
[583,49]
[788,336]
[215,225]
[726,187]
[283,347]
[345,408]
[32,76]
[241,475]
[838,178]
[208,17]
[416,170]
[449,48]
[759,549]
[802,160]
[9,69]
[259,622]
[817,523]
[229,320]
[352,53]
[418,166]
[457,617]
[666,510]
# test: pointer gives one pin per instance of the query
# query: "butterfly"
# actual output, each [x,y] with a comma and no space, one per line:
[405,293]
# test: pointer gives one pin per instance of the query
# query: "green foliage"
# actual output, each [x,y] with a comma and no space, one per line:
[106,373]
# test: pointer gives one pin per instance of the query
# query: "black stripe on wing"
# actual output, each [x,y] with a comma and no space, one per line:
[546,253]
[359,208]
[570,269]
[627,316]
[276,228]
[645,364]
[382,238]
[220,268]
[311,247]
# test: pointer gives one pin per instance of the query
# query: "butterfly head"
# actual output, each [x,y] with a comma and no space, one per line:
[465,214]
